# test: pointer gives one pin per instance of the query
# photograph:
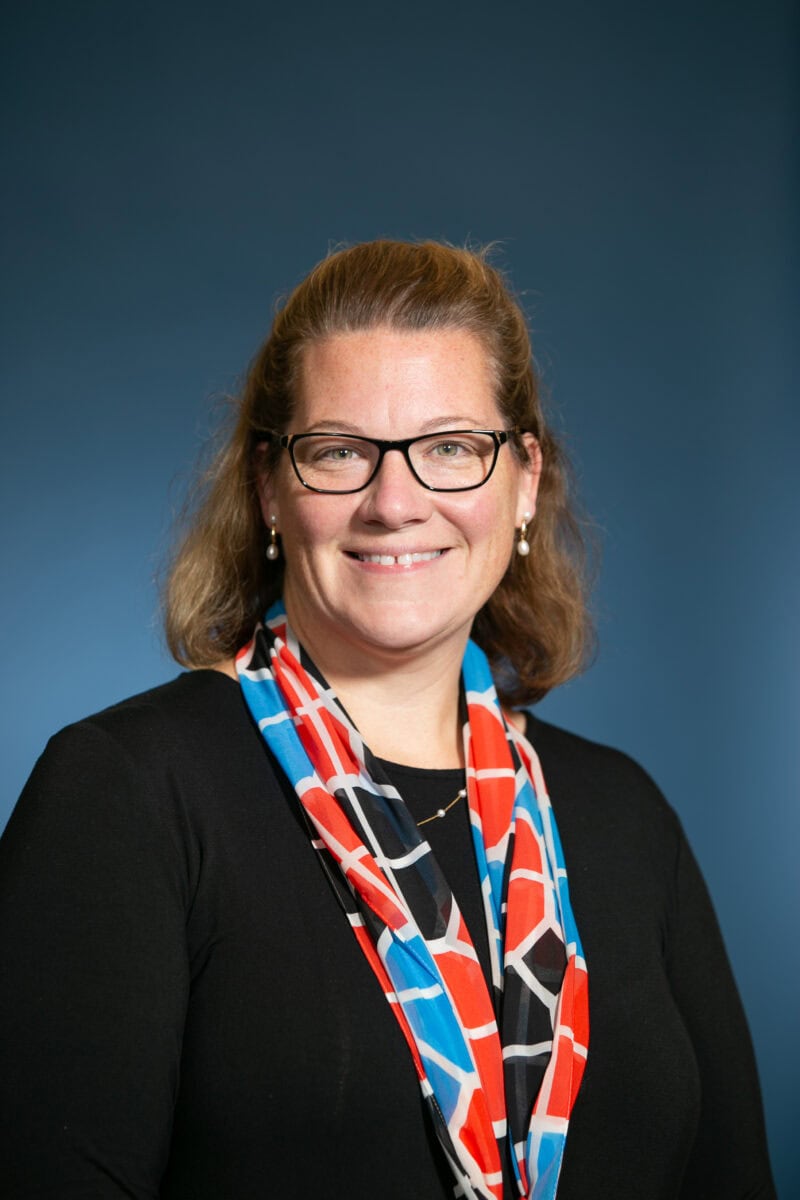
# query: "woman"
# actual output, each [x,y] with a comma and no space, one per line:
[299,923]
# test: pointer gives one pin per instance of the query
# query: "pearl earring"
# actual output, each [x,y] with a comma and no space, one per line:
[523,545]
[273,550]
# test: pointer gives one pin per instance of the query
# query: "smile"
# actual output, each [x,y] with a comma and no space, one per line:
[399,560]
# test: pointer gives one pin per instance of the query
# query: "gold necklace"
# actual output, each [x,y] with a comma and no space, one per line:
[442,812]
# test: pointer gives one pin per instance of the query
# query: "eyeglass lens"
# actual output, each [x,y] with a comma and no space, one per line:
[443,461]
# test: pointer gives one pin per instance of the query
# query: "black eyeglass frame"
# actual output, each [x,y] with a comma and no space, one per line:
[287,441]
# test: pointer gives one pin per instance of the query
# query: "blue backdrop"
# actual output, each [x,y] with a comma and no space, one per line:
[173,167]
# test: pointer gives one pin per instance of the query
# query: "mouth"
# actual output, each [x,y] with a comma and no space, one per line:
[397,560]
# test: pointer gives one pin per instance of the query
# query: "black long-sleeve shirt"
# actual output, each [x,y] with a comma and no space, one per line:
[185,1013]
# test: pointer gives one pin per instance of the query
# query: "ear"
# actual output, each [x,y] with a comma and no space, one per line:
[529,477]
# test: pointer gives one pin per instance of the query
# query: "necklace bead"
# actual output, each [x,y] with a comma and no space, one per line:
[442,812]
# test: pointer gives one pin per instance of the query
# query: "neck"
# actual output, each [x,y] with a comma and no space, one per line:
[409,717]
[406,711]
[405,705]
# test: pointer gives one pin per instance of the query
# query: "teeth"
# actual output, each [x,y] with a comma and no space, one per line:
[402,560]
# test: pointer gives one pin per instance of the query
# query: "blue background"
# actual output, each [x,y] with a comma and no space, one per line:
[173,168]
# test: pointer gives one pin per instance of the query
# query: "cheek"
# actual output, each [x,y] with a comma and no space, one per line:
[312,522]
[489,518]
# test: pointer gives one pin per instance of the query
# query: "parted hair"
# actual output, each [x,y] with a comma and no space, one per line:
[535,628]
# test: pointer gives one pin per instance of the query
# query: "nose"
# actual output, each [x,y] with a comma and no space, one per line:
[395,497]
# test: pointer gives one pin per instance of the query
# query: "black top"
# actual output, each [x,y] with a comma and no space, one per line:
[185,1011]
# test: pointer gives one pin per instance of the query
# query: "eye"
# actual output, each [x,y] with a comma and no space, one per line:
[337,453]
[326,453]
[451,448]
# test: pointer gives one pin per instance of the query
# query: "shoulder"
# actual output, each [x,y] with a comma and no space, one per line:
[624,846]
[175,720]
[588,763]
[192,698]
[584,761]
[602,795]
[152,754]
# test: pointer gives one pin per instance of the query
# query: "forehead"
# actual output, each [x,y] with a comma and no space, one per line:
[396,376]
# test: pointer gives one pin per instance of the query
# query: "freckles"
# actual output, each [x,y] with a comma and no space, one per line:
[313,528]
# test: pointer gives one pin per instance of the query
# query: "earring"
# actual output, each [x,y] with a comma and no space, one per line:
[273,549]
[523,545]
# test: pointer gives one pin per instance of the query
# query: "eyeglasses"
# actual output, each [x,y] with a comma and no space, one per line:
[455,460]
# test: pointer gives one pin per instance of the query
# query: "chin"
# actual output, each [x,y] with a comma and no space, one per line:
[407,634]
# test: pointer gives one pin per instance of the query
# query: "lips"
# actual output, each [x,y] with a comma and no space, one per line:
[405,559]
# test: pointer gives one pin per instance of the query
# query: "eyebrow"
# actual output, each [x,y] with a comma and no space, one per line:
[454,421]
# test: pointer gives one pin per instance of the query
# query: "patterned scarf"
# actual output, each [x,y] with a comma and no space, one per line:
[490,1069]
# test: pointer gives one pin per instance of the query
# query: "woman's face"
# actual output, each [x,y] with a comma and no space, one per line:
[390,384]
